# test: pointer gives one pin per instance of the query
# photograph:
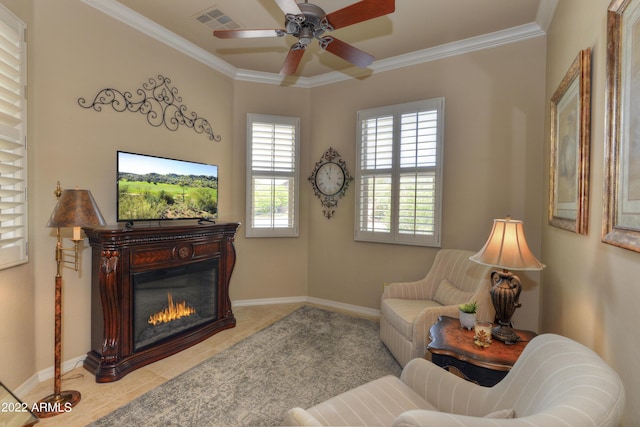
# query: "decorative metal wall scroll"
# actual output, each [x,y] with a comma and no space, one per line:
[158,101]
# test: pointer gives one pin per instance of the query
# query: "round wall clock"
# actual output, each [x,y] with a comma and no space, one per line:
[330,179]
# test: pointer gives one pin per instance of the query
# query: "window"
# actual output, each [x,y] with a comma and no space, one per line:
[399,173]
[13,154]
[272,176]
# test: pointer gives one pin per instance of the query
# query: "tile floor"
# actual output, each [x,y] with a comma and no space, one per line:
[100,399]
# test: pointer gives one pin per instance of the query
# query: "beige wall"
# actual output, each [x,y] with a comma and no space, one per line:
[75,51]
[499,131]
[492,161]
[80,51]
[590,288]
[267,267]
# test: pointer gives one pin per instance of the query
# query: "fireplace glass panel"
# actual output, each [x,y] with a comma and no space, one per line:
[172,300]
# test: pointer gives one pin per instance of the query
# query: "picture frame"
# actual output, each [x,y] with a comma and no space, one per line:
[570,146]
[621,215]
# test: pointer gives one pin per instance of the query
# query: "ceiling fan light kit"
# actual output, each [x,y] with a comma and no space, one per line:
[306,22]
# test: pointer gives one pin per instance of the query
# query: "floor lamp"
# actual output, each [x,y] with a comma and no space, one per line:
[507,249]
[75,208]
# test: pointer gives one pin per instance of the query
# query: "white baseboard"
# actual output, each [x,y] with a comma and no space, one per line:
[46,374]
[68,365]
[356,309]
[268,301]
[26,387]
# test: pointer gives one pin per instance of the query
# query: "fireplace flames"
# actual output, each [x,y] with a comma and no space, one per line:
[173,311]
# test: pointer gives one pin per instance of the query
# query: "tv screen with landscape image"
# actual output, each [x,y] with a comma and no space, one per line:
[158,188]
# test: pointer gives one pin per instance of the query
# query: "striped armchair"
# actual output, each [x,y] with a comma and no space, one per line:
[556,382]
[409,309]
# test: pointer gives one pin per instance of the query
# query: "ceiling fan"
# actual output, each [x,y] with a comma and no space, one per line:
[307,21]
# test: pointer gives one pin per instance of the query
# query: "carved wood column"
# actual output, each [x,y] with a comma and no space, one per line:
[110,306]
[229,264]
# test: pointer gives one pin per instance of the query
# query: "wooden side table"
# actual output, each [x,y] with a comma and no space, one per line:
[452,348]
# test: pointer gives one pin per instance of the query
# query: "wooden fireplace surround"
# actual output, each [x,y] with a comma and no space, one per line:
[120,251]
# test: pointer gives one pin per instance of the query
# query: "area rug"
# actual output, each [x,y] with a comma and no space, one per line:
[301,360]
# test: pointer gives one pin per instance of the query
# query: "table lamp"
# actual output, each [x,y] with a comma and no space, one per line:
[75,208]
[507,249]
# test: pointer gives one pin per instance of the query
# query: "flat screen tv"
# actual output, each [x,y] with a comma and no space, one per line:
[157,188]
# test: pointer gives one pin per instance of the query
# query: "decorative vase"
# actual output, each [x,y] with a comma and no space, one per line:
[467,320]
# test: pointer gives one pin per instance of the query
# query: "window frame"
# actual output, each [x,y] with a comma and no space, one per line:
[294,175]
[14,233]
[393,235]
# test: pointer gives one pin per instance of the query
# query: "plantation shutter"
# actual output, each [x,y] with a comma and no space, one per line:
[376,174]
[273,176]
[418,161]
[13,157]
[398,184]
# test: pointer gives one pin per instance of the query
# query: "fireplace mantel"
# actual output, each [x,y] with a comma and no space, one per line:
[119,252]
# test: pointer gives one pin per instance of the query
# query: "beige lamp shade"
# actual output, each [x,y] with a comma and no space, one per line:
[507,248]
[76,208]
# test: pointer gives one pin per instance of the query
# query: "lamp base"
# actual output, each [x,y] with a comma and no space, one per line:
[505,334]
[505,293]
[56,404]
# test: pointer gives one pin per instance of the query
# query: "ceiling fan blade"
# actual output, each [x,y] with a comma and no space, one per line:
[247,34]
[293,59]
[289,7]
[361,11]
[346,51]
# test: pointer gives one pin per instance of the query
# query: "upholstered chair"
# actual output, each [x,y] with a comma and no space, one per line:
[407,310]
[556,382]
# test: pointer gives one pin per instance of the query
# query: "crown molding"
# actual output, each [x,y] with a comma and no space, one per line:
[487,41]
[546,10]
[122,13]
[272,78]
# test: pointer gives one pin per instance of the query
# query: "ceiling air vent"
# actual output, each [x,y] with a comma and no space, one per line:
[215,19]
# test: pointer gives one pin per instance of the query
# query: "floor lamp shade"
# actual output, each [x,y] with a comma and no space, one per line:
[76,208]
[506,248]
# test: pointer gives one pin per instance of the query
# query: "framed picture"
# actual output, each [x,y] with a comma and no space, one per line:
[621,216]
[570,141]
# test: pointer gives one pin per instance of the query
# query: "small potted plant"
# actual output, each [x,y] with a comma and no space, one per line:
[468,314]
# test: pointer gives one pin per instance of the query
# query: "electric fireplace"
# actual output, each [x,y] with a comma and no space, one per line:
[156,291]
[169,301]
